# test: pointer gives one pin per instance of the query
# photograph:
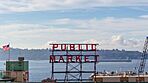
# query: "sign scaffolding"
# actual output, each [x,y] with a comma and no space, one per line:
[73,57]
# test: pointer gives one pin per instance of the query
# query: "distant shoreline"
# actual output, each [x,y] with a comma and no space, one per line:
[115,60]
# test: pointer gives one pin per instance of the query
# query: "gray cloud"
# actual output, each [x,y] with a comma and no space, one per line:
[120,40]
[144,16]
[91,30]
[41,5]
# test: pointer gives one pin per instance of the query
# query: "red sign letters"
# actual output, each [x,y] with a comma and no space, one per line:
[74,58]
[73,47]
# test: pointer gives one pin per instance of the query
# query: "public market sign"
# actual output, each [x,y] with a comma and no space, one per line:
[73,53]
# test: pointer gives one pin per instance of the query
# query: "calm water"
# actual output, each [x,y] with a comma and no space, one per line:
[42,69]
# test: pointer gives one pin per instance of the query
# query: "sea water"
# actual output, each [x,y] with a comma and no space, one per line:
[41,69]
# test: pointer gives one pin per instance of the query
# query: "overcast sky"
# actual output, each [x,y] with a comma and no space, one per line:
[121,24]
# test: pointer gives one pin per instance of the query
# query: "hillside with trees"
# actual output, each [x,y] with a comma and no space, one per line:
[43,54]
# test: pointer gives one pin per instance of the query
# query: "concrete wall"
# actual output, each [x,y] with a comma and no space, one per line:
[18,76]
[132,79]
[111,79]
[146,79]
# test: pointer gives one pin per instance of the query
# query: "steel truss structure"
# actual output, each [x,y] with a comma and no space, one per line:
[143,57]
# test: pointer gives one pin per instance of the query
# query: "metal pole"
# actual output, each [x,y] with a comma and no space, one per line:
[81,67]
[52,77]
[95,64]
[66,74]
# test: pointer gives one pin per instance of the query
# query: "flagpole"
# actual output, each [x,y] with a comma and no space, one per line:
[9,53]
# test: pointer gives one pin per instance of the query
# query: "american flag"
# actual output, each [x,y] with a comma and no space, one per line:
[6,47]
